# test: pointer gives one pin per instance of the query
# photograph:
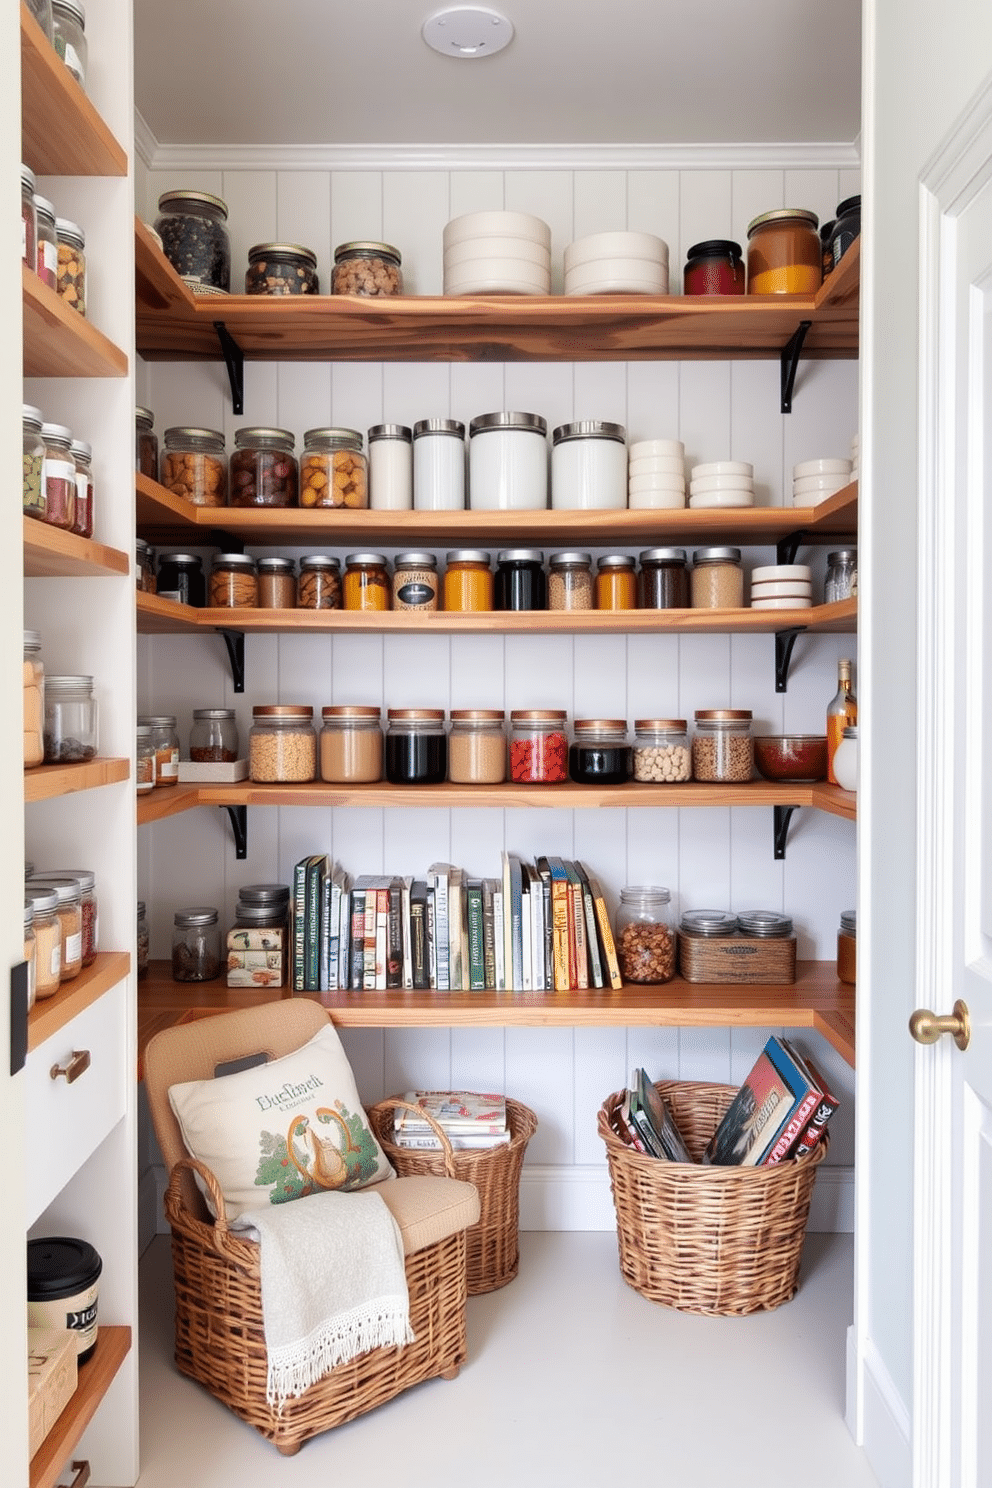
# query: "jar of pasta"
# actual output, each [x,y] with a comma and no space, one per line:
[263,469]
[415,582]
[233,581]
[194,466]
[468,580]
[350,744]
[784,253]
[333,470]
[282,745]
[366,582]
[616,582]
[319,585]
[276,584]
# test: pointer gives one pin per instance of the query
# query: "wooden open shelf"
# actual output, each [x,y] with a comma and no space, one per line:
[95,1378]
[52,1013]
[45,782]
[51,552]
[58,341]
[61,132]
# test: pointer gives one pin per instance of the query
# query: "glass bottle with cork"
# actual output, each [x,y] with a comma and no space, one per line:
[842,713]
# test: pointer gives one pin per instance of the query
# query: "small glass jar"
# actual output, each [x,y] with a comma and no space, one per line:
[842,575]
[145,444]
[42,12]
[714,267]
[233,582]
[847,946]
[367,269]
[350,744]
[508,462]
[468,581]
[71,263]
[82,454]
[783,253]
[599,754]
[88,907]
[845,760]
[415,582]
[390,467]
[616,582]
[717,581]
[276,584]
[29,219]
[846,228]
[663,580]
[30,952]
[70,720]
[281,269]
[477,746]
[589,466]
[213,736]
[34,700]
[195,945]
[47,253]
[34,461]
[439,465]
[538,746]
[282,745]
[144,567]
[416,746]
[44,904]
[144,759]
[319,584]
[722,746]
[69,36]
[366,582]
[165,736]
[520,582]
[59,476]
[194,466]
[70,919]
[143,939]
[333,471]
[195,240]
[182,574]
[263,469]
[645,937]
[661,751]
[570,581]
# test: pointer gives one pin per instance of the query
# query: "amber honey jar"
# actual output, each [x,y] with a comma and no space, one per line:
[468,580]
[784,253]
[847,945]
[366,583]
[616,582]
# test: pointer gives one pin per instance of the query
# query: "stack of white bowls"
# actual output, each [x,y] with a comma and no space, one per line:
[855,457]
[814,480]
[497,253]
[656,473]
[617,263]
[722,483]
[782,586]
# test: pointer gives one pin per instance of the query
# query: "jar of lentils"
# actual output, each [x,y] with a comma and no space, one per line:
[477,746]
[350,744]
[663,580]
[570,581]
[717,579]
[366,582]
[538,746]
[281,269]
[282,744]
[194,466]
[334,470]
[645,935]
[233,581]
[276,584]
[661,751]
[263,469]
[319,585]
[415,582]
[416,746]
[600,754]
[722,746]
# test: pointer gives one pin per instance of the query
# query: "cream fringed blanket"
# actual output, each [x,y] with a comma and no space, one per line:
[333,1284]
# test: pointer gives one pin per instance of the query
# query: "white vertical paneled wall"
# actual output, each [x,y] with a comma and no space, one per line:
[709,858]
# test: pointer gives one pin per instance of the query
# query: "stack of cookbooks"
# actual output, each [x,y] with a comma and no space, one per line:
[470,1120]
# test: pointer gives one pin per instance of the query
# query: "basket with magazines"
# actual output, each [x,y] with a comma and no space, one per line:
[492,1248]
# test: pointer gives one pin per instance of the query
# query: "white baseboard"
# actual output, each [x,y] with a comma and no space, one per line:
[886,1428]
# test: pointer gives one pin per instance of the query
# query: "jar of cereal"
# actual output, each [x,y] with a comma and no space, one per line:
[282,744]
[722,746]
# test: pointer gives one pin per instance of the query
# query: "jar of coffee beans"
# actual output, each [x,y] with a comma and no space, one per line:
[645,936]
[193,229]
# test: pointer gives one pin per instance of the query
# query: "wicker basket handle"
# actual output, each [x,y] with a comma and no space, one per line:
[394,1103]
[182,1184]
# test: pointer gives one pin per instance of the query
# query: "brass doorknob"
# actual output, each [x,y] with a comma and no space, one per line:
[927,1028]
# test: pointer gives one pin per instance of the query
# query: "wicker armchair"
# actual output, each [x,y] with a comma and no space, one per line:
[220,1339]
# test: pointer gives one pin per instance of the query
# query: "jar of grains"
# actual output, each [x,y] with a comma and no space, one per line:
[319,586]
[34,459]
[276,584]
[416,746]
[616,582]
[59,476]
[195,945]
[145,444]
[477,746]
[213,737]
[520,582]
[263,469]
[144,567]
[508,462]
[29,219]
[589,466]
[143,938]
[281,269]
[847,946]
[30,952]
[70,720]
[71,264]
[367,269]
[333,471]
[600,754]
[48,242]
[645,935]
[33,675]
[438,465]
[182,574]
[233,582]
[193,229]
[570,583]
[784,253]
[82,454]
[194,466]
[468,580]
[282,745]
[415,582]
[144,759]
[88,908]
[661,751]
[390,467]
[714,268]
[350,744]
[165,736]
[722,746]
[47,936]
[538,746]
[717,579]
[663,580]
[70,918]
[366,582]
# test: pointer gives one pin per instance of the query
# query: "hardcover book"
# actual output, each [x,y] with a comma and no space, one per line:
[418,935]
[476,947]
[653,1120]
[763,1110]
[611,966]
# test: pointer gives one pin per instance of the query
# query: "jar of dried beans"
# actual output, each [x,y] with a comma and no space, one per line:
[645,936]
[722,746]
[194,466]
[661,751]
[538,746]
[263,469]
[282,745]
[319,585]
[333,471]
[281,269]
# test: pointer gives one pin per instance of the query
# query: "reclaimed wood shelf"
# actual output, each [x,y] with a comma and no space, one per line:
[58,341]
[45,782]
[95,1378]
[62,134]
[51,552]
[49,1014]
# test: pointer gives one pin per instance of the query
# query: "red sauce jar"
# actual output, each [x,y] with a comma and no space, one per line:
[715,267]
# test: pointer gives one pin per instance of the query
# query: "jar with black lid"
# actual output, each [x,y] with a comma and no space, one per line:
[145,444]
[367,268]
[599,753]
[281,269]
[319,584]
[182,573]
[663,580]
[416,746]
[846,228]
[195,240]
[714,267]
[520,582]
[63,1276]
[263,468]
[194,465]
[233,581]
[276,584]
[213,737]
[195,945]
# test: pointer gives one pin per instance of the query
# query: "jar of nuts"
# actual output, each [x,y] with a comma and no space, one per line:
[233,581]
[72,264]
[319,586]
[722,746]
[282,745]
[194,466]
[333,471]
[281,269]
[661,751]
[367,269]
[263,468]
[644,935]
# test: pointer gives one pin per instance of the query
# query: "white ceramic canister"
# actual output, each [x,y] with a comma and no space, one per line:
[438,465]
[589,466]
[390,467]
[508,462]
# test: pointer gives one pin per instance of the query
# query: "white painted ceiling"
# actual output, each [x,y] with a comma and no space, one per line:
[638,72]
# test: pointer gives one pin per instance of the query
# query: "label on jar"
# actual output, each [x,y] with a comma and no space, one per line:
[49,258]
[74,948]
[55,962]
[415,594]
[55,469]
[72,60]
[167,765]
[78,1314]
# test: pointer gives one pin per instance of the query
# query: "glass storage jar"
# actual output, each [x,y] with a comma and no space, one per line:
[616,582]
[520,582]
[165,736]
[644,933]
[350,744]
[717,581]
[213,736]
[438,465]
[784,255]
[508,462]
[195,945]
[71,263]
[599,753]
[366,582]
[143,938]
[262,470]
[70,720]
[477,746]
[282,745]
[722,746]
[826,247]
[192,226]
[846,228]
[233,582]
[47,254]
[30,952]
[570,581]
[319,585]
[847,946]
[194,465]
[661,751]
[367,269]
[333,470]
[144,759]
[842,575]
[144,567]
[390,467]
[69,37]
[714,267]
[416,746]
[29,219]
[145,444]
[663,580]
[88,908]
[468,580]
[33,674]
[415,582]
[48,938]
[281,269]
[182,574]
[59,476]
[34,461]
[42,12]
[82,454]
[589,466]
[69,914]
[538,746]
[276,584]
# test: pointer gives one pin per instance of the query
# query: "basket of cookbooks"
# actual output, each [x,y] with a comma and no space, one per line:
[485,1137]
[712,1184]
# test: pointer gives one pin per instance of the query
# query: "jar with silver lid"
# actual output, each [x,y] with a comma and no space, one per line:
[722,746]
[663,580]
[143,938]
[213,737]
[570,581]
[70,720]
[508,462]
[276,584]
[616,582]
[145,444]
[281,269]
[69,37]
[48,937]
[30,952]
[182,574]
[59,476]
[263,469]
[144,759]
[764,923]
[365,268]
[661,751]
[195,945]
[333,470]
[645,937]
[390,467]
[68,910]
[165,736]
[29,220]
[366,583]
[415,582]
[82,454]
[709,923]
[520,582]
[438,465]
[47,261]
[842,575]
[86,879]
[195,240]
[194,465]
[71,263]
[589,466]
[34,462]
[319,584]
[233,582]
[717,581]
[282,745]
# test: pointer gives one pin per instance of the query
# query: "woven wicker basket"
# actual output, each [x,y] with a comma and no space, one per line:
[724,1240]
[492,1253]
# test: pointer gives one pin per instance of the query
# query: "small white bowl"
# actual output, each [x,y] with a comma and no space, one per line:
[700,486]
[597,247]
[491,279]
[655,465]
[811,500]
[656,498]
[670,449]
[710,499]
[787,589]
[617,277]
[505,250]
[819,485]
[723,467]
[496,225]
[781,604]
[820,467]
[777,572]
[656,483]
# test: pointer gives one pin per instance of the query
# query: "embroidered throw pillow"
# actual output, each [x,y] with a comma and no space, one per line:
[282,1130]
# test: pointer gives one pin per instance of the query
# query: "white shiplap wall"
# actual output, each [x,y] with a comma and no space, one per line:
[716,858]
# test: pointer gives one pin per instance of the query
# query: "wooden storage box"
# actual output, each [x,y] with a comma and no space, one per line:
[755,959]
[52,1376]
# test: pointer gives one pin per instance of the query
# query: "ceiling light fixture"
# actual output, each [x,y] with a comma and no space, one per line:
[467,31]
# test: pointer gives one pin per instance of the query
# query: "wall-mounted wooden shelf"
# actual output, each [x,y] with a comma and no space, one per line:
[95,1378]
[51,552]
[52,1013]
[58,341]
[45,782]
[61,132]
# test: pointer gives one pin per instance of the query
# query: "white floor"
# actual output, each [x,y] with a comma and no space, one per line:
[572,1379]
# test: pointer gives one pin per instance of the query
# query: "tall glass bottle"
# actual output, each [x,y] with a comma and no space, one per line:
[842,713]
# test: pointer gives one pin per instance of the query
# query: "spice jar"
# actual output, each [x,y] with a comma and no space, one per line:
[847,946]
[520,582]
[616,582]
[599,754]
[281,269]
[263,469]
[71,263]
[282,744]
[663,580]
[438,465]
[717,581]
[192,226]
[645,937]
[30,953]
[477,746]
[846,228]
[570,582]
[390,467]
[47,252]
[350,744]
[367,269]
[276,584]
[538,746]
[88,908]
[29,219]
[165,737]
[722,746]
[783,253]
[661,751]
[468,580]
[213,737]
[416,746]
[34,461]
[366,582]
[194,467]
[714,267]
[233,581]
[415,582]
[333,471]
[68,911]
[144,571]
[319,586]
[145,444]
[47,936]
[195,945]
[182,574]
[70,720]
[508,462]
[59,476]
[144,759]
[143,939]
[842,575]
[589,466]
[33,674]
[69,36]
[82,454]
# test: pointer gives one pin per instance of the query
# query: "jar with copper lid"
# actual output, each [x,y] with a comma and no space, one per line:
[714,267]
[276,584]
[538,746]
[722,745]
[145,444]
[282,744]
[319,584]
[663,580]
[468,580]
[281,269]
[366,582]
[616,582]
[847,946]
[477,746]
[570,581]
[194,465]
[334,470]
[599,753]
[350,744]
[416,746]
[661,751]
[366,268]
[233,582]
[263,469]
[415,582]
[784,254]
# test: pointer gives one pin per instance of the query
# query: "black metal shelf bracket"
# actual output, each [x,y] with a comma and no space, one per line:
[234,359]
[239,826]
[791,352]
[783,815]
[234,640]
[787,547]
[784,642]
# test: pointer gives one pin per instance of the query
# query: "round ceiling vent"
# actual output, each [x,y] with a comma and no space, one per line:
[468,31]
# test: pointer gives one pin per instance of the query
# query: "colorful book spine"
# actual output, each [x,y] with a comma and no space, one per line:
[476,949]
[418,935]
